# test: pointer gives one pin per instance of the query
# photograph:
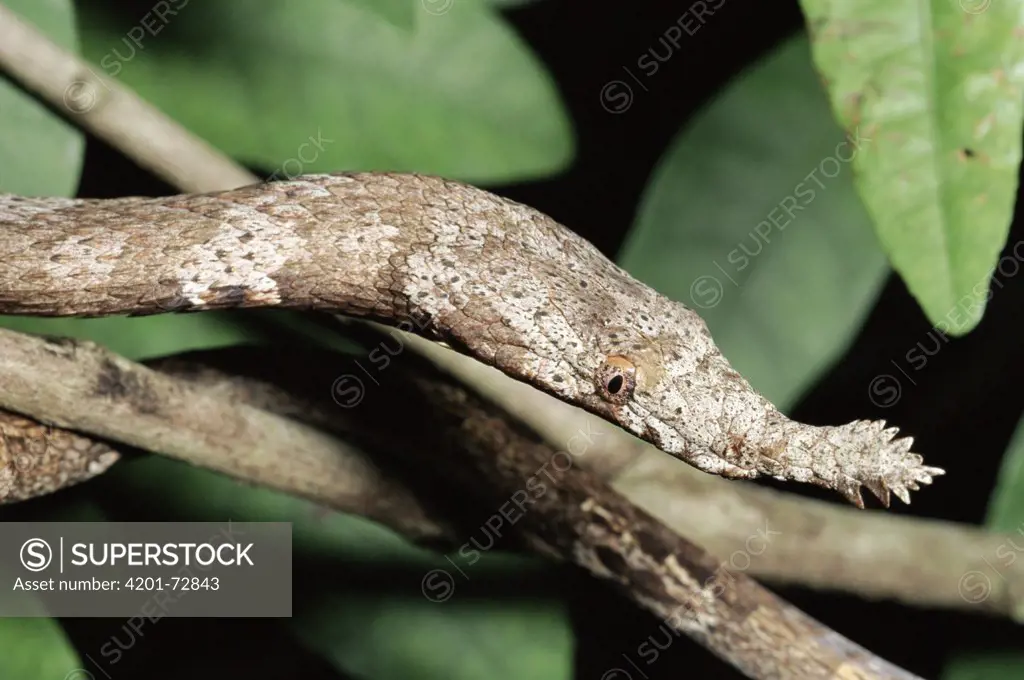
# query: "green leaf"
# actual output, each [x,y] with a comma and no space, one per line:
[322,86]
[1005,513]
[410,637]
[1006,505]
[937,88]
[782,268]
[398,13]
[40,154]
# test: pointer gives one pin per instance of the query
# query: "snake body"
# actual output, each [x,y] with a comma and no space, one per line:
[492,278]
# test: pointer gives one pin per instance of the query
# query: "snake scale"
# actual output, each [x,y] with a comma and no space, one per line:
[490,277]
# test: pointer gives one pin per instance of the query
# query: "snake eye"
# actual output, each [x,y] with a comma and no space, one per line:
[616,379]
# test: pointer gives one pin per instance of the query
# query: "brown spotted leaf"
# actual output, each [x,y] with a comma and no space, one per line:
[937,87]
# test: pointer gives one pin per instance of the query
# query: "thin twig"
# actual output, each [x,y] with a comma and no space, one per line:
[113,112]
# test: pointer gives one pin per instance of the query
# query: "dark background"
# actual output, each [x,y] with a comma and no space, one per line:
[962,410]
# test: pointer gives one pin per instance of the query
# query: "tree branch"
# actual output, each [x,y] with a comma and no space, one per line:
[80,386]
[812,541]
[474,447]
[36,460]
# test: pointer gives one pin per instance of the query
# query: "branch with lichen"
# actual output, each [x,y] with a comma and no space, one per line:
[810,539]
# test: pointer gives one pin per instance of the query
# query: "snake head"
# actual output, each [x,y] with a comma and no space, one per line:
[678,392]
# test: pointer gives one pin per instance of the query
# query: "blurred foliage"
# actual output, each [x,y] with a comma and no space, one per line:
[35,648]
[1005,513]
[937,88]
[324,86]
[783,269]
[140,337]
[469,643]
[399,13]
[1006,508]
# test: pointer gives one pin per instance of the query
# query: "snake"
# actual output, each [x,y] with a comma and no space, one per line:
[484,275]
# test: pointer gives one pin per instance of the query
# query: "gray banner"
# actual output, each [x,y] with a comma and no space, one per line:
[148,569]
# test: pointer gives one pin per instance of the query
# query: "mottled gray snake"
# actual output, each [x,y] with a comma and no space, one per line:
[492,278]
